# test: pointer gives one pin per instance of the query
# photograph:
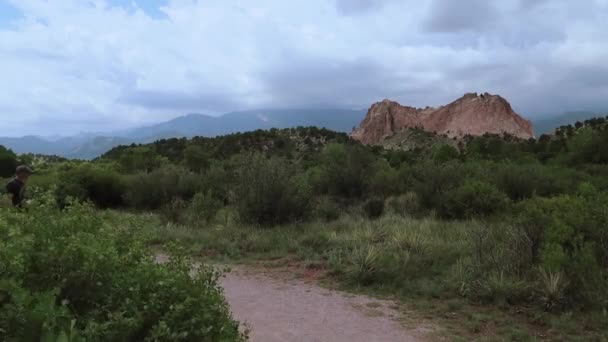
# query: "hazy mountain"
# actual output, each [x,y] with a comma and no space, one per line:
[91,145]
[340,120]
[548,124]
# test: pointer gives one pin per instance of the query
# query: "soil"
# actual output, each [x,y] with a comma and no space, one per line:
[286,304]
[275,308]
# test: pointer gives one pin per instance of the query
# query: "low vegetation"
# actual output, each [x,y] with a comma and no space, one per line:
[85,275]
[510,235]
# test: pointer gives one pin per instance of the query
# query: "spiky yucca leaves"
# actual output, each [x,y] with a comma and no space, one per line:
[372,233]
[553,286]
[501,289]
[412,242]
[362,263]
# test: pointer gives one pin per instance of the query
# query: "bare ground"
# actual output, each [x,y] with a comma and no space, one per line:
[279,309]
[282,305]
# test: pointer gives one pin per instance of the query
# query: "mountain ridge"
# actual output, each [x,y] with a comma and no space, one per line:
[89,146]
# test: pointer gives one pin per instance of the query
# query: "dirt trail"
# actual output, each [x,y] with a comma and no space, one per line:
[276,306]
[293,310]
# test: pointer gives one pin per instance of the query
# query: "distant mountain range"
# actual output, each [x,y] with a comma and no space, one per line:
[92,145]
[549,124]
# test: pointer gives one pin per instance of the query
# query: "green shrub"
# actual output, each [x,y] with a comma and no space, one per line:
[327,209]
[267,193]
[520,182]
[174,211]
[404,205]
[8,162]
[140,159]
[473,198]
[373,208]
[444,153]
[346,170]
[160,187]
[100,185]
[203,208]
[385,180]
[570,235]
[83,275]
[196,158]
[432,181]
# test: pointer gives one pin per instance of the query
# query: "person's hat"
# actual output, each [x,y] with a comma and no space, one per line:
[24,169]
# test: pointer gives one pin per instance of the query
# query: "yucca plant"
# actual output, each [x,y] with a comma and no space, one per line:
[553,286]
[500,288]
[363,263]
[412,242]
[372,234]
[462,276]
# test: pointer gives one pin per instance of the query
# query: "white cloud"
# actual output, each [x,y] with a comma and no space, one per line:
[72,65]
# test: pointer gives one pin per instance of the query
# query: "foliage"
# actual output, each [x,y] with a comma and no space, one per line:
[407,204]
[82,275]
[267,193]
[8,162]
[140,159]
[570,235]
[196,158]
[203,208]
[326,208]
[345,170]
[101,185]
[373,208]
[473,199]
[161,186]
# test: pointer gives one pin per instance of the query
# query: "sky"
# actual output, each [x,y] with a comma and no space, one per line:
[68,66]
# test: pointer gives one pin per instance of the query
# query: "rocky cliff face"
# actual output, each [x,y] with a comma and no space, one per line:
[472,114]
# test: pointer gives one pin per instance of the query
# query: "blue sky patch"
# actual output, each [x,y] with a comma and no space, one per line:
[8,13]
[150,7]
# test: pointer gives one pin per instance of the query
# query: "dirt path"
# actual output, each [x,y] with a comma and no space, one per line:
[276,306]
[276,309]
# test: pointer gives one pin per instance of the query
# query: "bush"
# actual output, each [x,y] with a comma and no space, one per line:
[473,198]
[385,180]
[432,181]
[160,187]
[327,209]
[444,153]
[203,208]
[174,211]
[8,162]
[267,193]
[102,186]
[346,170]
[521,182]
[82,275]
[140,159]
[569,234]
[404,205]
[373,208]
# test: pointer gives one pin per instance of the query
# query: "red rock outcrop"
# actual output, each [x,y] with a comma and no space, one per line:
[470,115]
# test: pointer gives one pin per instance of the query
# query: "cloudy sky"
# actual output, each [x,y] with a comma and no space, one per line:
[97,65]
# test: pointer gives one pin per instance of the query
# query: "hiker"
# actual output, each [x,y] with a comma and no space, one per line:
[16,187]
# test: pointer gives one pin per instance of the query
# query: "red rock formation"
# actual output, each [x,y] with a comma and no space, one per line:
[472,114]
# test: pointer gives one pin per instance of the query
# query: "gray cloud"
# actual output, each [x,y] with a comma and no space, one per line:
[180,101]
[335,83]
[353,7]
[463,15]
